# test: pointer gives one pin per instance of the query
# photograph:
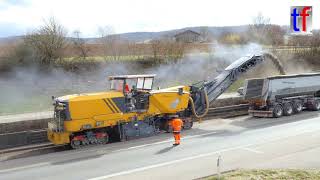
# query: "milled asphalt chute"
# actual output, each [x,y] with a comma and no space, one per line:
[211,90]
[194,109]
[275,61]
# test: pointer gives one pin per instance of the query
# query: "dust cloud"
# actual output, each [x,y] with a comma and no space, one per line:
[29,89]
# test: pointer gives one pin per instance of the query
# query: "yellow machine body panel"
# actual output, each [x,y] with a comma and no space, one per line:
[99,110]
[58,138]
[169,101]
[90,105]
[95,110]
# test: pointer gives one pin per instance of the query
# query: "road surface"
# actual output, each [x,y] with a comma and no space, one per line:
[242,142]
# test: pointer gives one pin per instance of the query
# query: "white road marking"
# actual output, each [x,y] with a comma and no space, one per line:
[162,142]
[196,157]
[252,150]
[167,163]
[24,167]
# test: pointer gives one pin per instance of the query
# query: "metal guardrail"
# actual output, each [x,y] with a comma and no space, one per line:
[27,147]
[35,137]
[228,111]
[11,140]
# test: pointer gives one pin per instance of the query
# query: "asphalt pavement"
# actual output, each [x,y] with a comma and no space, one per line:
[241,142]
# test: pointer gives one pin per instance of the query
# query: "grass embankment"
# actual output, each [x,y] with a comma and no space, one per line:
[236,85]
[291,174]
[123,58]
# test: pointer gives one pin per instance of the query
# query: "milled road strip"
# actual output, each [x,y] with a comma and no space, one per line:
[264,140]
[101,152]
[162,142]
[167,163]
[243,147]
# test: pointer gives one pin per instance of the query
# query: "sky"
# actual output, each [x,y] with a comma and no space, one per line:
[18,17]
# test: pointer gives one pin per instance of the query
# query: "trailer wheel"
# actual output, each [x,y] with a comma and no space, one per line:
[287,109]
[316,105]
[297,106]
[277,111]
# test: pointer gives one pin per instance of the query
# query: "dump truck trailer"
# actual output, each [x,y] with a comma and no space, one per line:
[282,95]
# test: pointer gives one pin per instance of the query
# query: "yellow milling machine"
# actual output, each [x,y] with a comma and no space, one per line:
[133,109]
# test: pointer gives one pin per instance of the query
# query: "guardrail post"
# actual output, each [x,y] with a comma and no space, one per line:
[219,166]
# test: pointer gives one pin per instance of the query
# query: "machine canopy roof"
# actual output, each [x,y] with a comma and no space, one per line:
[132,76]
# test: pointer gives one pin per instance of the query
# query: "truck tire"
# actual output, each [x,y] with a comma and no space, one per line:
[287,109]
[316,105]
[297,106]
[277,111]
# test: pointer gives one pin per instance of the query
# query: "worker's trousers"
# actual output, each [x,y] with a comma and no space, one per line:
[177,137]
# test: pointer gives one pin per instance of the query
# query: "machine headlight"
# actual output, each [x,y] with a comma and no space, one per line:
[60,106]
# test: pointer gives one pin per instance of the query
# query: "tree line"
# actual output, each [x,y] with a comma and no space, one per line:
[49,44]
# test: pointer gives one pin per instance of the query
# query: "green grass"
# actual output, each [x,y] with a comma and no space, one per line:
[236,85]
[33,104]
[30,102]
[283,174]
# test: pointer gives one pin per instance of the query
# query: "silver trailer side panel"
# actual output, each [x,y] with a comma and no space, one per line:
[284,86]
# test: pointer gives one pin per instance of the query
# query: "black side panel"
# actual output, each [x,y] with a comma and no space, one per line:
[140,128]
[120,103]
[254,89]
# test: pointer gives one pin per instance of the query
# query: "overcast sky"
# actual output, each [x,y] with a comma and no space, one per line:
[20,16]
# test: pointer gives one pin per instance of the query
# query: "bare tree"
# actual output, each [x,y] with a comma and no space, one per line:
[156,50]
[260,20]
[110,41]
[47,41]
[260,28]
[276,35]
[80,44]
[205,34]
[166,49]
[104,32]
[116,46]
[264,32]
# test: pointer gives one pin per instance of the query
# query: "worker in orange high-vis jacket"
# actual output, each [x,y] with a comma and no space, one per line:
[176,124]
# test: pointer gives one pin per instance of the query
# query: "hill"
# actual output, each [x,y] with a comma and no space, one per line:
[145,36]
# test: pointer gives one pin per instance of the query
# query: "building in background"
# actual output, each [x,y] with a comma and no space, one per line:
[188,36]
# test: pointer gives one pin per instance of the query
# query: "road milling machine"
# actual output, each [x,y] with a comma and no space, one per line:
[132,108]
